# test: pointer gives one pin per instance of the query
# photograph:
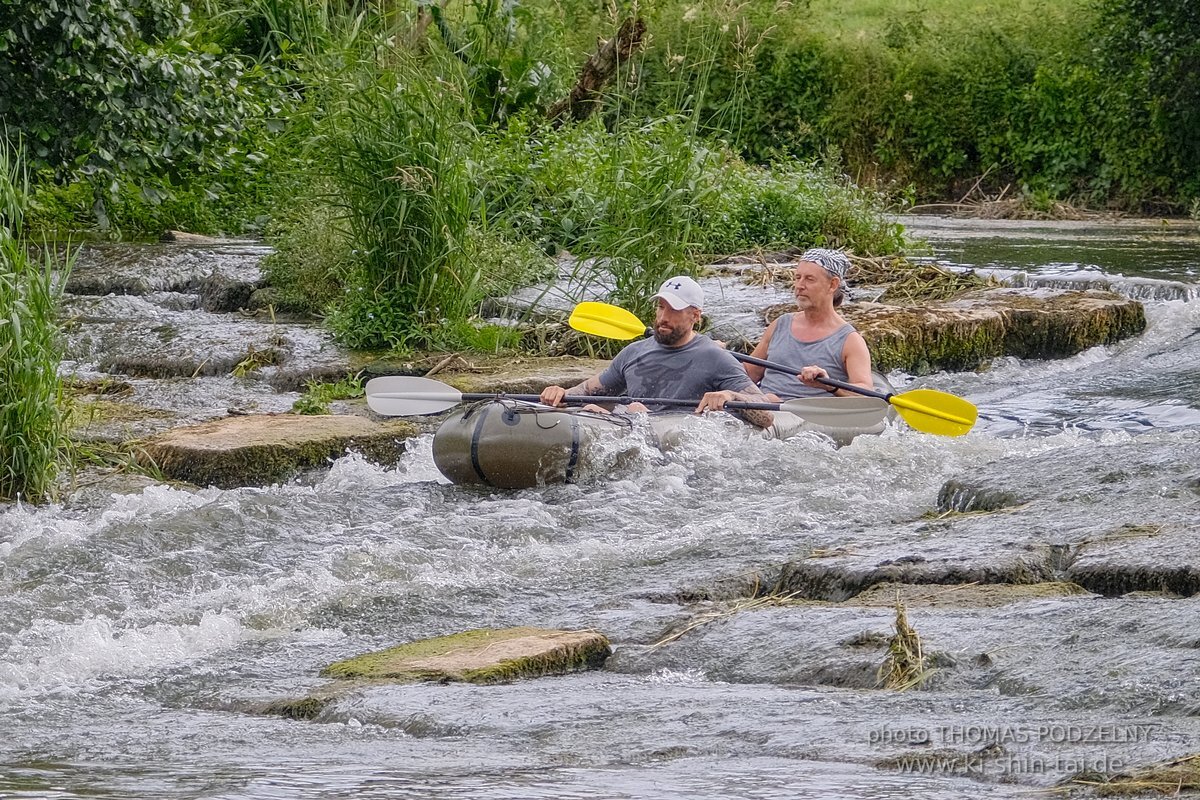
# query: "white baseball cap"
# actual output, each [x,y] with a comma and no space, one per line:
[681,292]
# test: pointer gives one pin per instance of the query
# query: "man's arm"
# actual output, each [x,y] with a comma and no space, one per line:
[553,395]
[756,372]
[857,357]
[715,401]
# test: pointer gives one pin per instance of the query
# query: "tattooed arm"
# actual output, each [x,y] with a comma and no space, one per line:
[715,401]
[553,395]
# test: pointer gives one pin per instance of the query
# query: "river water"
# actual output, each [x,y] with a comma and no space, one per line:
[141,633]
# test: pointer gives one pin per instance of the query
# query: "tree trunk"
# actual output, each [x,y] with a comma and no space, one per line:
[598,71]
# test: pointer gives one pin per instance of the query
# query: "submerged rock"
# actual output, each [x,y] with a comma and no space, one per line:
[965,498]
[261,449]
[480,656]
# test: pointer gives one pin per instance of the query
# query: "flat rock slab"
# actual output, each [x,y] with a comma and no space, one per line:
[476,372]
[480,656]
[969,332]
[261,449]
[962,595]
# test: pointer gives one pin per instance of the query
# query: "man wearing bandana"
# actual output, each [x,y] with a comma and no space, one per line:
[816,338]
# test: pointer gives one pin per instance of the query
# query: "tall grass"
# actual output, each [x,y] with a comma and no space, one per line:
[423,176]
[393,150]
[32,432]
[627,198]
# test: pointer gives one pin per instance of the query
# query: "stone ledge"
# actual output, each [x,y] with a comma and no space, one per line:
[967,333]
[260,449]
[480,656]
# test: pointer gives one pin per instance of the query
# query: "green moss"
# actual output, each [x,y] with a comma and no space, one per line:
[269,463]
[969,334]
[303,708]
[85,414]
[411,662]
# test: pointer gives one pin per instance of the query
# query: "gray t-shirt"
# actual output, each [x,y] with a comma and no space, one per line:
[648,369]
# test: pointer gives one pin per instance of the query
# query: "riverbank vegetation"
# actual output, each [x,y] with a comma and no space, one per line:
[32,432]
[408,161]
[1092,103]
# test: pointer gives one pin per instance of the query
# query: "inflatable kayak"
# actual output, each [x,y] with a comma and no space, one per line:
[512,444]
[515,444]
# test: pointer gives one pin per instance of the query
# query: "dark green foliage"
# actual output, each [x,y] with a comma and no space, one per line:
[1150,61]
[508,53]
[1100,107]
[271,28]
[116,91]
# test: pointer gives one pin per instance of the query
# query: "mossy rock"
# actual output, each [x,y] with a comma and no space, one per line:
[260,449]
[298,708]
[480,656]
[969,332]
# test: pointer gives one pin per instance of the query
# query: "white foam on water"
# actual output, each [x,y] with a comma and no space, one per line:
[55,656]
[677,677]
[157,499]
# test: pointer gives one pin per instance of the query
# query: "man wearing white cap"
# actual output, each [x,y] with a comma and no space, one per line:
[677,363]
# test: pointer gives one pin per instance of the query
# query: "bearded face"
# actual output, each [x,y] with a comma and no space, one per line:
[673,328]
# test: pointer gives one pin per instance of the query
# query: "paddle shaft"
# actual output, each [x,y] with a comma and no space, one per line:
[577,399]
[959,416]
[623,320]
[850,387]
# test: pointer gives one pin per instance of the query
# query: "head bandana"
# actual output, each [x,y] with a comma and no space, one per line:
[834,262]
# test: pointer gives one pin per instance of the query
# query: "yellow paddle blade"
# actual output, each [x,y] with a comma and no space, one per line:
[602,319]
[936,412]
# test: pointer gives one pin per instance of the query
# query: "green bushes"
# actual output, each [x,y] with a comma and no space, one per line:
[31,426]
[792,206]
[424,214]
[630,197]
[117,93]
[1096,103]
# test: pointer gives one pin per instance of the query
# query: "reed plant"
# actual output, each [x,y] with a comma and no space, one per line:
[393,151]
[32,430]
[649,181]
[905,666]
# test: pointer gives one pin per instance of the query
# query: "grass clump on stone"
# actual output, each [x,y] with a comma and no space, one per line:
[905,665]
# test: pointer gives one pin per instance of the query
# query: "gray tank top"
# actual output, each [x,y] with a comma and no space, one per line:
[786,349]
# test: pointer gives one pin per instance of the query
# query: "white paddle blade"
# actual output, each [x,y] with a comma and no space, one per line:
[839,412]
[399,396]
